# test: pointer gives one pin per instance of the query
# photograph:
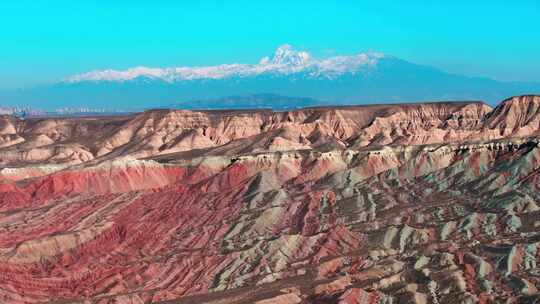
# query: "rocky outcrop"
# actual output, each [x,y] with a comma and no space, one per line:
[158,132]
[308,206]
[517,116]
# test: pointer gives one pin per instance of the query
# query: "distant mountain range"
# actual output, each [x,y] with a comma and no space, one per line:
[254,101]
[308,81]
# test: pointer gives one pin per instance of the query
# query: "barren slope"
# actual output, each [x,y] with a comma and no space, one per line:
[416,203]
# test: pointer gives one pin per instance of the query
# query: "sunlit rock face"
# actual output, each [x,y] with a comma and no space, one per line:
[412,203]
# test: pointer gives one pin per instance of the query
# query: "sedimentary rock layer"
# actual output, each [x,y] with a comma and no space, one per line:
[420,203]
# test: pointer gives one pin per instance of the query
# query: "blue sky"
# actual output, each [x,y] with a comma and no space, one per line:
[45,41]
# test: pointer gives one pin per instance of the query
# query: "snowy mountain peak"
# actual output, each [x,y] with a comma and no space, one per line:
[286,55]
[286,60]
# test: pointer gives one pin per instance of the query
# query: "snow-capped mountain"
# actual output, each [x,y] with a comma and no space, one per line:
[304,79]
[285,61]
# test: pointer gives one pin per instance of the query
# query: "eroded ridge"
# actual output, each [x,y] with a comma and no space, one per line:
[447,211]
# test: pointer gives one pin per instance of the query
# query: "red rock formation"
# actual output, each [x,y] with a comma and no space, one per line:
[420,203]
